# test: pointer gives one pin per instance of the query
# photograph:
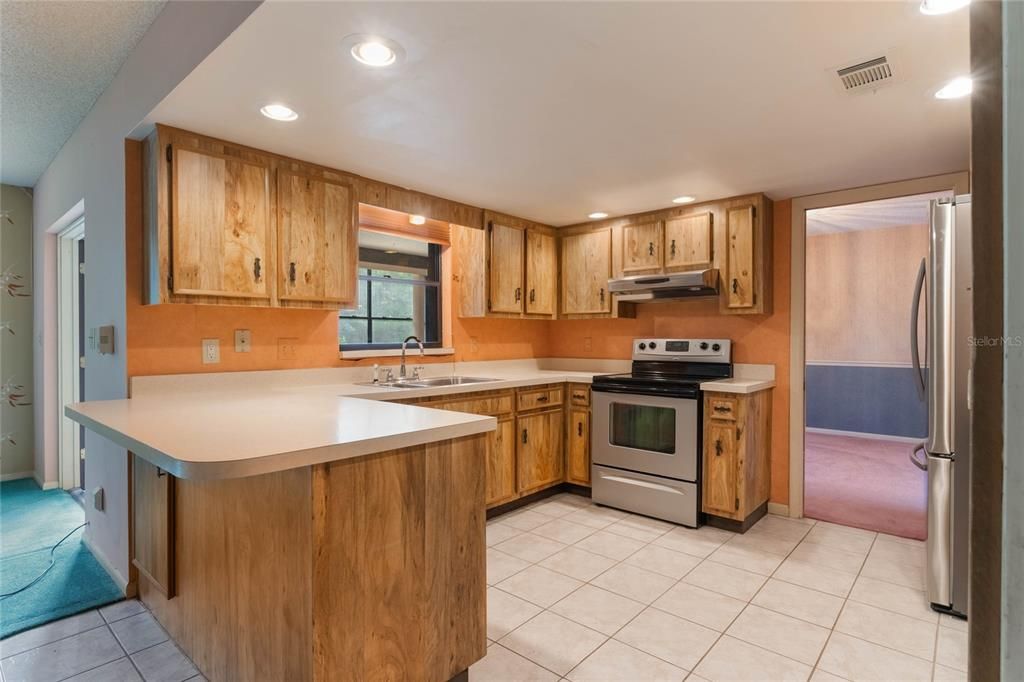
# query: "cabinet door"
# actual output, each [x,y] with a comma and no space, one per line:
[501,463]
[153,524]
[739,279]
[641,248]
[541,273]
[721,495]
[539,461]
[220,222]
[579,447]
[586,269]
[317,236]
[506,269]
[688,242]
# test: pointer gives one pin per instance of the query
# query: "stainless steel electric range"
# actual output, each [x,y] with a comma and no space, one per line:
[646,428]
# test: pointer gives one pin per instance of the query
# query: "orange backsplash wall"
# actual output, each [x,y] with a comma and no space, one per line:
[166,339]
[757,338]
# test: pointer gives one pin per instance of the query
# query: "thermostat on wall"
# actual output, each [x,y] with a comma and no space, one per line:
[106,339]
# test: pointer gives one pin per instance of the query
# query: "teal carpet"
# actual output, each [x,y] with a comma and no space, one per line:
[31,522]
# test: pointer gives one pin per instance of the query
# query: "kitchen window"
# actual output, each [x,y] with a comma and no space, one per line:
[399,284]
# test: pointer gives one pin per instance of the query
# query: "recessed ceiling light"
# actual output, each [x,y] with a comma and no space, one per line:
[942,6]
[374,51]
[278,112]
[417,219]
[597,215]
[958,87]
[684,200]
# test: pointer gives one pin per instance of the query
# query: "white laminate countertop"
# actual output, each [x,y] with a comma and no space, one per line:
[222,436]
[224,426]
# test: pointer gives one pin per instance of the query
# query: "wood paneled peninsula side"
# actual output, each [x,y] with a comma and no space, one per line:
[314,538]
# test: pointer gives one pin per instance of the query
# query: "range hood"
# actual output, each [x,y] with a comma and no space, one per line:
[659,287]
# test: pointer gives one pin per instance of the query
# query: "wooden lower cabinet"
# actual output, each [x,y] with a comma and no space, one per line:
[737,454]
[501,462]
[153,523]
[578,447]
[540,462]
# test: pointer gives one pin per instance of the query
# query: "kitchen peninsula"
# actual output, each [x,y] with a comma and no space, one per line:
[307,536]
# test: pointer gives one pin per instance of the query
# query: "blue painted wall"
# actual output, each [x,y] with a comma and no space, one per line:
[879,400]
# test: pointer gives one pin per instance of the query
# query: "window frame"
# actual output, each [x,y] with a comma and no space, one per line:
[368,258]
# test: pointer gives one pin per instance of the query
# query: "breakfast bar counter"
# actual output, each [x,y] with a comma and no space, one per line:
[311,537]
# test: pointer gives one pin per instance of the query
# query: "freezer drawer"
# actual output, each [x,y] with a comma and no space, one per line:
[662,498]
[940,531]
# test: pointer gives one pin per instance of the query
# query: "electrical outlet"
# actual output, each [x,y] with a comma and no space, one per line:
[211,351]
[286,348]
[243,341]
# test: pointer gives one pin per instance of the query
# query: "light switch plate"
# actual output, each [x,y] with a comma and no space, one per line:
[211,351]
[243,341]
[97,499]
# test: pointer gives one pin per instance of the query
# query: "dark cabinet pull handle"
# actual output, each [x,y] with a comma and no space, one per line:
[602,294]
[542,399]
[257,269]
[579,429]
[673,247]
[532,296]
[722,408]
[524,435]
[650,248]
[519,294]
[160,473]
[735,285]
[291,272]
[718,448]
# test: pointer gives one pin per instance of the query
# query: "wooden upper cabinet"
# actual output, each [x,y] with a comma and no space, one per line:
[317,239]
[541,273]
[739,278]
[506,262]
[586,268]
[688,242]
[642,248]
[220,225]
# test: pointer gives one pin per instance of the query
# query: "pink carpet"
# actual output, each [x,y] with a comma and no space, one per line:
[866,483]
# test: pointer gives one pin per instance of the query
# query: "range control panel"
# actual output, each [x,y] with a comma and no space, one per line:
[701,350]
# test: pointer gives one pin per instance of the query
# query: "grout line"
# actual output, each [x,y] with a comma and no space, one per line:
[59,639]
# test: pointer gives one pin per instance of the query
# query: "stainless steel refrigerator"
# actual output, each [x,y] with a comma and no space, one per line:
[945,279]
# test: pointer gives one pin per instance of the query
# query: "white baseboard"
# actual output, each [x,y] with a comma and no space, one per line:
[46,485]
[858,434]
[101,558]
[778,509]
[17,475]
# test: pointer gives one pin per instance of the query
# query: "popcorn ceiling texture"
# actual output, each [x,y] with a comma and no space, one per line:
[56,59]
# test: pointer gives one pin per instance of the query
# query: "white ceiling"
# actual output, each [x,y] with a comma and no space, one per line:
[552,110]
[872,215]
[57,58]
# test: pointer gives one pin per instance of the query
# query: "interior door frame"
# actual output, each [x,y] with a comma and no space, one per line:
[69,351]
[959,183]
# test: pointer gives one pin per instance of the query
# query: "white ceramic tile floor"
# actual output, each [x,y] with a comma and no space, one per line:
[118,643]
[645,600]
[789,599]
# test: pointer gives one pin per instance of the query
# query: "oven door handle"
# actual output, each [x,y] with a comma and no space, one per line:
[670,393]
[641,483]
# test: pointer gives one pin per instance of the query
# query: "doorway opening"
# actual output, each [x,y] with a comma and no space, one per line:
[865,407]
[71,347]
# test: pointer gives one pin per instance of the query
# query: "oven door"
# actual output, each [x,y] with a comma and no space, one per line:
[645,433]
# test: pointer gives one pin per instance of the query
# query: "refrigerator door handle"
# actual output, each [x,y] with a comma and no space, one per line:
[915,311]
[920,463]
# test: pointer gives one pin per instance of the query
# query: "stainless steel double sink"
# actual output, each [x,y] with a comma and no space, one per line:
[431,382]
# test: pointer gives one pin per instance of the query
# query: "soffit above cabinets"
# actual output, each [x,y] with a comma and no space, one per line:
[554,110]
[872,215]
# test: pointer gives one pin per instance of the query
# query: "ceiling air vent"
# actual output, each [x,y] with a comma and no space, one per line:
[868,75]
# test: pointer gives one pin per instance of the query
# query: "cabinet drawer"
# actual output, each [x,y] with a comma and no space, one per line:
[722,408]
[487,405]
[543,397]
[579,395]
